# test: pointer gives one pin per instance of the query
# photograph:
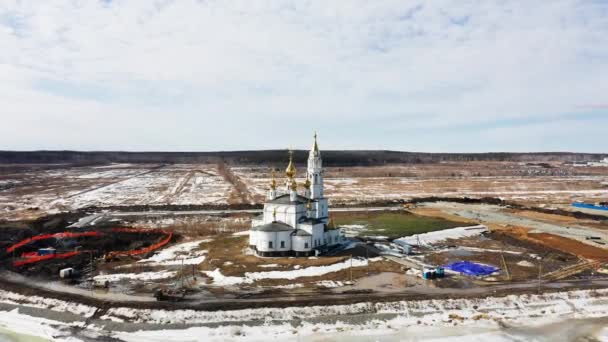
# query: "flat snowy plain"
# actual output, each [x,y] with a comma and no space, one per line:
[562,316]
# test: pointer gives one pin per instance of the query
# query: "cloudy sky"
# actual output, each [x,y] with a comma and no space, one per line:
[186,75]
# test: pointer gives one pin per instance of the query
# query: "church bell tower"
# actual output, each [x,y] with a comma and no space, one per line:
[315,171]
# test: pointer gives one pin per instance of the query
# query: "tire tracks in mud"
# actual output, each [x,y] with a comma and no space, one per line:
[240,193]
[154,169]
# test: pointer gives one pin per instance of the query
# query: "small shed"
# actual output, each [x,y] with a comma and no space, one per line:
[66,273]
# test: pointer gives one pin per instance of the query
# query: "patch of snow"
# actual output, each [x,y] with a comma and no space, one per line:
[269,265]
[329,283]
[525,263]
[312,271]
[46,303]
[181,253]
[222,280]
[411,313]
[289,286]
[29,327]
[350,230]
[442,235]
[143,276]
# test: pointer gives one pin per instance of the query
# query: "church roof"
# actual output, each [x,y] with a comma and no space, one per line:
[300,232]
[285,199]
[310,220]
[273,227]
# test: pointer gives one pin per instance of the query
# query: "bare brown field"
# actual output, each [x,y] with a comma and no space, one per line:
[31,192]
[560,243]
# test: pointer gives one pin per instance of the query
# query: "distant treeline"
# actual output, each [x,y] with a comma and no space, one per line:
[330,158]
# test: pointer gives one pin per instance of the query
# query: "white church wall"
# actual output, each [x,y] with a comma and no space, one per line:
[287,213]
[253,237]
[283,241]
[318,235]
[301,243]
[263,240]
[332,237]
[307,227]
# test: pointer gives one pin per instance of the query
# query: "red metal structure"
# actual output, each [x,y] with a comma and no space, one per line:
[33,257]
[64,235]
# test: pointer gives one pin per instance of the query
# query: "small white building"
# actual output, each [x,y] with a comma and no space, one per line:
[295,223]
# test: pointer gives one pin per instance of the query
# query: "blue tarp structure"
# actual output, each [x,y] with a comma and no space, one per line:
[471,268]
[589,206]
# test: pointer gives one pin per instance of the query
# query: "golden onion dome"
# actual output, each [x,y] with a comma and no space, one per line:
[307,182]
[273,182]
[290,172]
[294,185]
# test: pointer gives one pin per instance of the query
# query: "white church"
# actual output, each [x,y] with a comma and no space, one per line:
[295,223]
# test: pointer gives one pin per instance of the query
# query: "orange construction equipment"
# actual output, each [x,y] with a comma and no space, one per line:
[144,250]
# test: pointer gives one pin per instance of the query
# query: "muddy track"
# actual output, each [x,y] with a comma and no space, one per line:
[172,194]
[281,300]
[240,194]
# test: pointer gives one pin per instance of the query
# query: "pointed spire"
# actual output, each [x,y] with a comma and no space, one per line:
[274,215]
[331,224]
[290,172]
[315,146]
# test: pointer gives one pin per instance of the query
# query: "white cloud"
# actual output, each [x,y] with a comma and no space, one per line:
[208,75]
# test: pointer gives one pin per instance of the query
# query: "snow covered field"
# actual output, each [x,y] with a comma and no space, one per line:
[49,191]
[562,316]
[73,188]
[8,297]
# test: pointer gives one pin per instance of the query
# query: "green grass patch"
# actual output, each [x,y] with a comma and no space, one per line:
[394,224]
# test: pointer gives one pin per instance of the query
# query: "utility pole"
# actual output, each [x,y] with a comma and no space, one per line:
[367,258]
[91,260]
[181,272]
[351,268]
[505,265]
[540,267]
